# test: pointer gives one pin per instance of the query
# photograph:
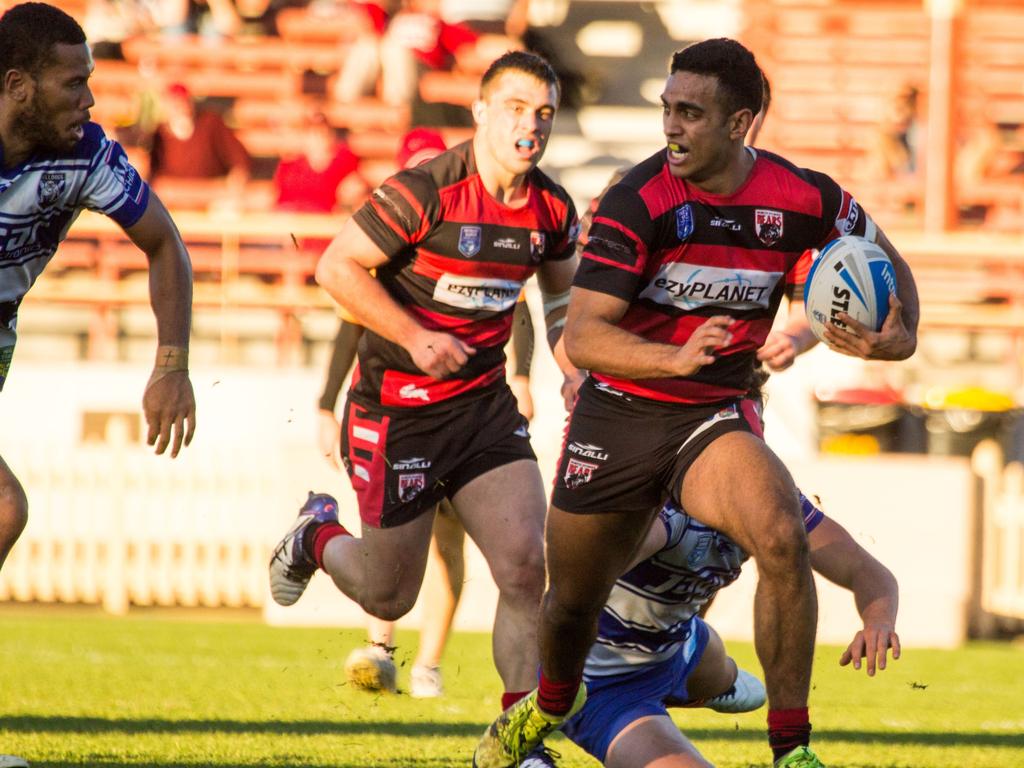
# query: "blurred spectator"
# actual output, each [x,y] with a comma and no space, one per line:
[894,151]
[416,39]
[494,17]
[193,143]
[988,172]
[324,176]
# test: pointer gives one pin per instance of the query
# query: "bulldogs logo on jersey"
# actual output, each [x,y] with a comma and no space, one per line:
[768,225]
[470,238]
[684,221]
[537,243]
[410,485]
[51,186]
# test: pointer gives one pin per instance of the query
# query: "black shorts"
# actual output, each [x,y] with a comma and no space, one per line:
[629,454]
[401,465]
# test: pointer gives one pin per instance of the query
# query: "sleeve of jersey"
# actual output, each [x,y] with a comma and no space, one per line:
[113,187]
[400,212]
[840,213]
[812,515]
[797,276]
[616,251]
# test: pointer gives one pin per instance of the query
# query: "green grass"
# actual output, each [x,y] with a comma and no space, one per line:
[169,690]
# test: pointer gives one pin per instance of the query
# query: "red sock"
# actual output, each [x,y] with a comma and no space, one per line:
[556,698]
[787,730]
[508,698]
[324,533]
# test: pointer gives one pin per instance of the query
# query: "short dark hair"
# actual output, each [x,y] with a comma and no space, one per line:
[521,61]
[740,80]
[28,33]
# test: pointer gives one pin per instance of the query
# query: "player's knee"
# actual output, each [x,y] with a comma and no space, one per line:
[521,577]
[782,546]
[387,608]
[13,511]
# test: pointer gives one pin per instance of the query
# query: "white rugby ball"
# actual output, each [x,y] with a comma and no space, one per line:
[850,275]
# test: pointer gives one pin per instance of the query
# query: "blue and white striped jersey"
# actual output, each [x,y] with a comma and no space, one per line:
[41,198]
[647,618]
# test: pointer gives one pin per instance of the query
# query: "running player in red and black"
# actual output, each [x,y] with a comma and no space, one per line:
[685,266]
[430,414]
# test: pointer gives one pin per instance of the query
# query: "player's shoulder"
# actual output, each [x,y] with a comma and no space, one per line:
[93,139]
[779,165]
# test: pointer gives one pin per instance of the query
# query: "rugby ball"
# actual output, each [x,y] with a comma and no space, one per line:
[850,275]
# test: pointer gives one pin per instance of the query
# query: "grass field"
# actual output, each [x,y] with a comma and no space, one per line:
[193,689]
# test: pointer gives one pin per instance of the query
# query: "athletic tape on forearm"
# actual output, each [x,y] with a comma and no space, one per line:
[169,359]
[555,308]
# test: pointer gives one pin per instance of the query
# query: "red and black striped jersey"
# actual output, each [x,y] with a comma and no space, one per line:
[679,255]
[458,259]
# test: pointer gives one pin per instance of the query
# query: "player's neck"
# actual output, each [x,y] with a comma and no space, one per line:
[731,177]
[14,148]
[507,188]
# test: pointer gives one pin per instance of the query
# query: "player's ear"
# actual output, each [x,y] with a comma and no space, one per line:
[739,123]
[17,84]
[479,111]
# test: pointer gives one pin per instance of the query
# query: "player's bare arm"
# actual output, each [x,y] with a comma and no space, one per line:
[841,560]
[169,403]
[555,280]
[782,347]
[344,272]
[594,341]
[897,340]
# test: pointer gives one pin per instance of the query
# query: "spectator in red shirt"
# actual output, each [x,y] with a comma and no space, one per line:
[324,177]
[196,144]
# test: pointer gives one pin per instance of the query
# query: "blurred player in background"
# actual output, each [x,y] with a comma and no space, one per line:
[687,261]
[54,163]
[431,415]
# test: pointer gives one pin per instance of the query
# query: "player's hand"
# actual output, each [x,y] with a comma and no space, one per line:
[439,354]
[872,645]
[893,342]
[328,437]
[778,351]
[699,349]
[571,385]
[170,409]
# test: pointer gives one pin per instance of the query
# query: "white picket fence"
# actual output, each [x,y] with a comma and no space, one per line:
[1002,552]
[116,526]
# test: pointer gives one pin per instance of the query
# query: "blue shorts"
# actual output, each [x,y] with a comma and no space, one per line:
[615,701]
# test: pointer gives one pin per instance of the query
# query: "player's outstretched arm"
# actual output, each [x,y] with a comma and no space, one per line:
[344,271]
[169,404]
[897,340]
[595,342]
[841,560]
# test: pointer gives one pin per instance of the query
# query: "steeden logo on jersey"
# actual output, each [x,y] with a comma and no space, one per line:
[688,286]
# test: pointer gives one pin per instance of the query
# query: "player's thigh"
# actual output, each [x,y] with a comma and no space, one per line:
[394,559]
[738,485]
[653,742]
[502,510]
